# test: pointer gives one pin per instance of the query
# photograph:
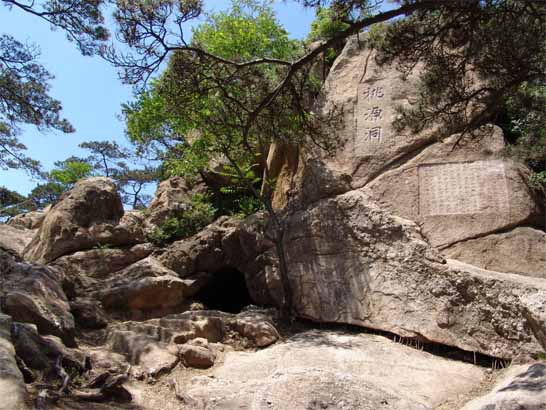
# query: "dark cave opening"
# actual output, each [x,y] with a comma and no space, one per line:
[227,292]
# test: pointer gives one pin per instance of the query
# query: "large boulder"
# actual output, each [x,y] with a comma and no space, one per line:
[147,288]
[349,249]
[12,387]
[172,197]
[455,189]
[87,216]
[14,239]
[33,294]
[85,270]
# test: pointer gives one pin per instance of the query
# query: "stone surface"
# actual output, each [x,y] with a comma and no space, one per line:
[366,95]
[14,239]
[33,294]
[154,358]
[327,370]
[147,287]
[459,193]
[522,388]
[88,314]
[40,352]
[253,329]
[197,356]
[28,220]
[85,270]
[87,216]
[171,197]
[13,393]
[521,250]
[348,249]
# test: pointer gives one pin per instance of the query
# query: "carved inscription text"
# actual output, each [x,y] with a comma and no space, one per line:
[463,188]
[369,115]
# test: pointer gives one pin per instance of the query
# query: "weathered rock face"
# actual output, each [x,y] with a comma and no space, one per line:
[85,270]
[521,251]
[28,220]
[456,190]
[147,288]
[172,197]
[12,386]
[87,216]
[14,239]
[522,388]
[326,370]
[348,249]
[33,294]
[460,194]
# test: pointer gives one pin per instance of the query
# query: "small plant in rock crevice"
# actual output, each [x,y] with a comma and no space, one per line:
[199,214]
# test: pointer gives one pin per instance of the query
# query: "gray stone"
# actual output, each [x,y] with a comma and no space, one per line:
[14,238]
[87,216]
[33,294]
[12,387]
[28,220]
[521,388]
[459,193]
[325,370]
[521,250]
[348,249]
[147,287]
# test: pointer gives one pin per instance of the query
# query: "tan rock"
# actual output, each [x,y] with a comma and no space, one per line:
[387,277]
[147,286]
[521,250]
[459,192]
[87,216]
[85,270]
[33,294]
[14,239]
[154,358]
[521,388]
[28,220]
[327,370]
[12,387]
[171,197]
[197,356]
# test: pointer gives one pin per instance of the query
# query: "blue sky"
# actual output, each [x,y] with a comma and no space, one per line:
[89,89]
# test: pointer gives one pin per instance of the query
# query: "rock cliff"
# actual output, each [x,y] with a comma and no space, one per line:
[413,239]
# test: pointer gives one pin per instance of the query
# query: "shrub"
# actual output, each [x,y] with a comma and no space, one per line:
[199,214]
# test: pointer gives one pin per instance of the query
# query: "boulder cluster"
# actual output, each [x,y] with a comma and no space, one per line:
[427,241]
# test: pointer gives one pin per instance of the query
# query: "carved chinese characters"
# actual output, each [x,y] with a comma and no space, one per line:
[370,114]
[463,188]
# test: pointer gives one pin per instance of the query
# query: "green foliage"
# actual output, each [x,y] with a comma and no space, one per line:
[184,117]
[199,214]
[526,128]
[326,25]
[248,30]
[69,172]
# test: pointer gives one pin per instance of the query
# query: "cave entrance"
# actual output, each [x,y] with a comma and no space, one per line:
[227,292]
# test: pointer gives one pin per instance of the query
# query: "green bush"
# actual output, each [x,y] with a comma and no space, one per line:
[199,214]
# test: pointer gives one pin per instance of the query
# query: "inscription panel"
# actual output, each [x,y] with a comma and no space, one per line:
[370,113]
[463,188]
